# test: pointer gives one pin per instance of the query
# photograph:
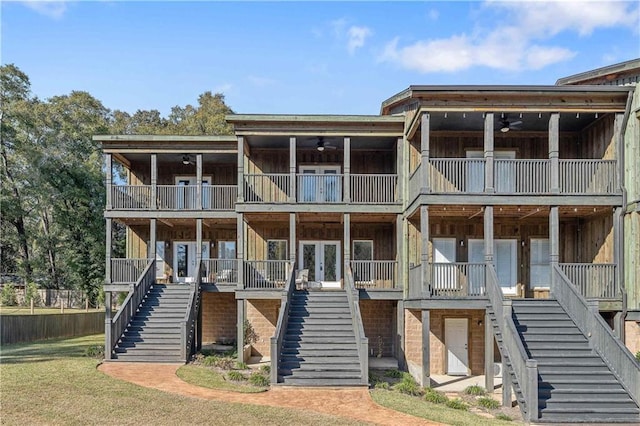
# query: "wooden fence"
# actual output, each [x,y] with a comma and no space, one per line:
[29,328]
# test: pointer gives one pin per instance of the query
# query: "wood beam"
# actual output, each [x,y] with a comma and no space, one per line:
[554,148]
[240,169]
[346,188]
[488,153]
[109,181]
[424,152]
[292,169]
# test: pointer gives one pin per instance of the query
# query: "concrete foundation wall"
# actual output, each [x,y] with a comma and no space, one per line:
[263,316]
[219,314]
[378,318]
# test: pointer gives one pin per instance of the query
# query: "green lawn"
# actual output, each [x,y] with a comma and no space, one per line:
[53,383]
[207,378]
[26,310]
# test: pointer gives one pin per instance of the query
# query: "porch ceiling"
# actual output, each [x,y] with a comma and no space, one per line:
[311,141]
[516,212]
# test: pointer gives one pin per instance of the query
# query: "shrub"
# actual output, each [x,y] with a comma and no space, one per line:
[8,297]
[95,351]
[236,376]
[225,362]
[210,360]
[206,352]
[434,396]
[31,293]
[259,379]
[638,355]
[489,403]
[503,416]
[382,385]
[408,386]
[393,373]
[457,404]
[475,390]
[250,335]
[266,369]
[241,365]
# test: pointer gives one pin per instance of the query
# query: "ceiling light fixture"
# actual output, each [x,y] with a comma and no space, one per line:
[185,160]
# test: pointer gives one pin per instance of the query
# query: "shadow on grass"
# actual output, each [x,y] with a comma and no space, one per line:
[48,350]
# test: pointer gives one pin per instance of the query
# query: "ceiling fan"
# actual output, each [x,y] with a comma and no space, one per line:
[322,145]
[506,125]
[186,160]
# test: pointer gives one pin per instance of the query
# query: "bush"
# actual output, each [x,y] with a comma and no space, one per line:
[382,385]
[8,297]
[408,386]
[236,376]
[266,369]
[638,355]
[95,351]
[475,390]
[31,292]
[434,396]
[503,416]
[224,362]
[393,373]
[259,379]
[457,404]
[242,365]
[250,335]
[489,403]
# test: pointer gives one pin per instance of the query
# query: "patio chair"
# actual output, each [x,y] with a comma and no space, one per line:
[302,279]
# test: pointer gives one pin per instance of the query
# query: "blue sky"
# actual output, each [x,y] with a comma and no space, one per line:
[305,57]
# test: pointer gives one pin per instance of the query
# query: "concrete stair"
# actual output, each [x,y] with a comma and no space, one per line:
[154,333]
[574,383]
[319,346]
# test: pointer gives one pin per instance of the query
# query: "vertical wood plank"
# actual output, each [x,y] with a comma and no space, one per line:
[347,171]
[425,131]
[488,153]
[240,170]
[154,181]
[109,182]
[199,182]
[292,169]
[554,161]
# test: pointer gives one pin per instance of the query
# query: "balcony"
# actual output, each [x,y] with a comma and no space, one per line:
[265,274]
[374,274]
[173,197]
[220,271]
[448,281]
[593,280]
[127,271]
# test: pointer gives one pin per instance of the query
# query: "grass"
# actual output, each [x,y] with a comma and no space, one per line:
[426,410]
[52,382]
[208,378]
[26,310]
[475,390]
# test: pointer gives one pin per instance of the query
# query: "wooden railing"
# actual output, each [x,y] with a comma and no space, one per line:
[319,188]
[457,175]
[457,279]
[266,188]
[127,270]
[131,197]
[374,274]
[593,280]
[522,176]
[588,177]
[219,271]
[524,368]
[177,197]
[353,296]
[129,306]
[188,324]
[219,197]
[281,324]
[416,283]
[415,184]
[587,318]
[265,274]
[373,189]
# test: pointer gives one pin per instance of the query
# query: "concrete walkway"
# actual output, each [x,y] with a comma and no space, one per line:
[351,403]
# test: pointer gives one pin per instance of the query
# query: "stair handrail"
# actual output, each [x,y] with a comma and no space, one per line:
[129,306]
[601,338]
[187,329]
[282,323]
[353,296]
[524,368]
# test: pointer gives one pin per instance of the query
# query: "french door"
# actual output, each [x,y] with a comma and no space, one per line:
[185,260]
[187,190]
[322,259]
[444,275]
[319,184]
[540,265]
[504,261]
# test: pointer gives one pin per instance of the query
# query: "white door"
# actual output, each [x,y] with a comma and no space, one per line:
[476,272]
[456,342]
[322,259]
[185,260]
[475,172]
[505,172]
[444,274]
[187,190]
[320,184]
[504,260]
[540,263]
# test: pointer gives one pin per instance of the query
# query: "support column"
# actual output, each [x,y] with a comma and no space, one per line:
[400,255]
[240,328]
[488,154]
[507,309]
[347,240]
[153,232]
[240,249]
[292,238]
[107,324]
[554,147]
[619,152]
[240,169]
[424,252]
[400,196]
[618,260]
[554,242]
[426,348]
[198,239]
[424,152]
[292,169]
[488,354]
[154,181]
[109,182]
[346,187]
[199,181]
[488,235]
[199,326]
[400,341]
[108,251]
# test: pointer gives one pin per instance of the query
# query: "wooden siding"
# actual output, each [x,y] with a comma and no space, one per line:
[597,140]
[222,174]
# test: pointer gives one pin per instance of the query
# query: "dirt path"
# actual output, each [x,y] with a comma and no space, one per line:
[351,403]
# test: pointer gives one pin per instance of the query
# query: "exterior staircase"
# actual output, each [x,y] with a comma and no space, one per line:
[575,385]
[319,346]
[154,332]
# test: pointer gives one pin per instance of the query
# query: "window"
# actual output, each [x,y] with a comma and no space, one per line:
[362,265]
[540,263]
[362,250]
[226,249]
[277,250]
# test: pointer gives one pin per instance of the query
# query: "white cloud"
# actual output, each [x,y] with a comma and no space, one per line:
[433,14]
[513,45]
[260,81]
[356,37]
[50,8]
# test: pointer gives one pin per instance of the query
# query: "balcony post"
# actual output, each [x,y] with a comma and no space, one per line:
[554,242]
[554,147]
[426,348]
[240,327]
[488,354]
[199,181]
[292,169]
[108,315]
[489,186]
[424,153]
[619,152]
[198,240]
[488,236]
[240,250]
[347,241]
[108,250]
[618,250]
[292,238]
[400,171]
[109,182]
[401,263]
[151,251]
[240,170]
[424,252]
[346,185]
[154,181]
